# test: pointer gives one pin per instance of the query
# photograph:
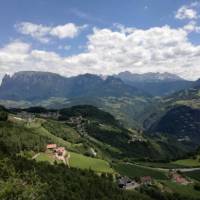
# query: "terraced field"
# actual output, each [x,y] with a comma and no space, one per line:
[193,174]
[185,190]
[188,162]
[84,162]
[132,171]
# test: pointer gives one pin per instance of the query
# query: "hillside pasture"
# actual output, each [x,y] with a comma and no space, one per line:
[188,162]
[132,170]
[84,162]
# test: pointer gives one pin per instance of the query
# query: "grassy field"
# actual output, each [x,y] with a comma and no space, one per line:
[136,171]
[44,132]
[161,165]
[80,161]
[45,157]
[84,162]
[185,190]
[188,162]
[194,175]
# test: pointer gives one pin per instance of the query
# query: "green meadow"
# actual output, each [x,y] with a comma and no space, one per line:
[188,162]
[84,162]
[185,190]
[132,170]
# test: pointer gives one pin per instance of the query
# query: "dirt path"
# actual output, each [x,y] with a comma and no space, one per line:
[35,156]
[67,159]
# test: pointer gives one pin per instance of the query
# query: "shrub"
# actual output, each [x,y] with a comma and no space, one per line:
[3,116]
[197,186]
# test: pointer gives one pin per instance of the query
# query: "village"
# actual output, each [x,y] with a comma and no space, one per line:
[127,183]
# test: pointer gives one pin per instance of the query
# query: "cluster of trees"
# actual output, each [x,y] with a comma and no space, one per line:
[89,112]
[25,179]
[3,114]
[156,194]
[15,138]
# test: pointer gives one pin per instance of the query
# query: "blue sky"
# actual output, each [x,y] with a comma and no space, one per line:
[105,37]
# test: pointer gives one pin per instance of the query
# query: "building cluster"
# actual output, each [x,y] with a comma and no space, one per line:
[79,123]
[52,115]
[59,152]
[136,138]
[178,178]
[184,139]
[28,117]
[130,184]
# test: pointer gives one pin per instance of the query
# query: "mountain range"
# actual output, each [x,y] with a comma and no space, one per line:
[33,86]
[155,84]
[129,97]
[30,85]
[122,129]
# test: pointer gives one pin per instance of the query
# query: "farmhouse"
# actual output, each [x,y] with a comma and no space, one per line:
[60,151]
[127,184]
[178,178]
[51,146]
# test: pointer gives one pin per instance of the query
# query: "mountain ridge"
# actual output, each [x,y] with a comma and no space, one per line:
[156,84]
[149,77]
[43,85]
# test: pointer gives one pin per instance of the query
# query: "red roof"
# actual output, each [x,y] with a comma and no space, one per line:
[51,146]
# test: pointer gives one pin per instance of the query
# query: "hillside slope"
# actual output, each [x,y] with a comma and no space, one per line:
[89,128]
[178,115]
[180,122]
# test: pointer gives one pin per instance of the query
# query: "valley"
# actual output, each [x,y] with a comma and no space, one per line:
[116,133]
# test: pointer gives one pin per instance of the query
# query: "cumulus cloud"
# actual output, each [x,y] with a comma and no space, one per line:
[190,13]
[157,49]
[186,12]
[45,33]
[192,27]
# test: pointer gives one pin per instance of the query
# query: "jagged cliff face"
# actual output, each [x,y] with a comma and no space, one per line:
[32,86]
[148,77]
[43,85]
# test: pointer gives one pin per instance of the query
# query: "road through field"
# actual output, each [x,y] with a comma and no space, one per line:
[166,170]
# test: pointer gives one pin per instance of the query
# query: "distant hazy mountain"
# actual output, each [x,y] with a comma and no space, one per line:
[148,77]
[157,84]
[197,84]
[33,86]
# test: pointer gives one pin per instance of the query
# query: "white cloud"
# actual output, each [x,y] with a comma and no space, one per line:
[124,29]
[192,27]
[45,33]
[186,12]
[157,49]
[66,31]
